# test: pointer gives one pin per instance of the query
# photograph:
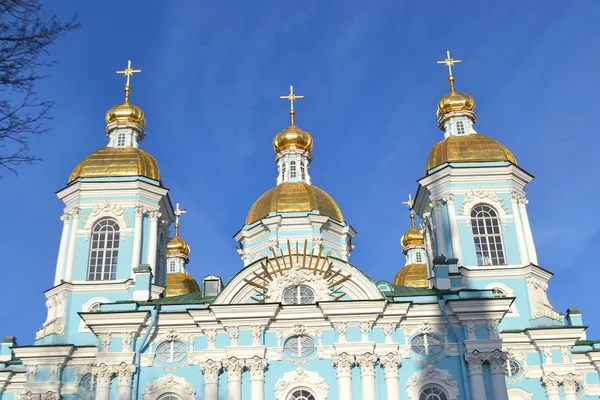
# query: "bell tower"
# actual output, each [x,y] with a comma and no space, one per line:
[117,216]
[472,203]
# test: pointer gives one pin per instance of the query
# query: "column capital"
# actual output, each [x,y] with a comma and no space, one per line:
[497,360]
[74,212]
[571,383]
[518,197]
[343,363]
[256,330]
[551,383]
[211,370]
[448,198]
[125,373]
[435,204]
[341,331]
[390,363]
[475,363]
[154,215]
[104,374]
[66,217]
[234,333]
[234,368]
[256,366]
[367,363]
[139,211]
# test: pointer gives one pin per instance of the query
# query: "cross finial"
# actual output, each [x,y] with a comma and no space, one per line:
[178,212]
[128,72]
[291,97]
[410,204]
[449,62]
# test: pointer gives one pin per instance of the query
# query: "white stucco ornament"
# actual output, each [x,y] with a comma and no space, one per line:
[170,384]
[301,378]
[298,276]
[429,376]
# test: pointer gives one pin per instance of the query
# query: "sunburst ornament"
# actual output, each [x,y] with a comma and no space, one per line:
[287,270]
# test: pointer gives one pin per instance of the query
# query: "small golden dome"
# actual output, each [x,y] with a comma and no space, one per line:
[469,148]
[116,162]
[178,246]
[294,197]
[413,275]
[293,137]
[126,112]
[413,236]
[179,283]
[455,101]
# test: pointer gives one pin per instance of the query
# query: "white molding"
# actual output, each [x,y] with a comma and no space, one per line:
[509,292]
[432,376]
[86,307]
[299,379]
[516,393]
[170,384]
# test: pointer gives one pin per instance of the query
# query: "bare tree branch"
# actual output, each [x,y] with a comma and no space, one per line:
[26,33]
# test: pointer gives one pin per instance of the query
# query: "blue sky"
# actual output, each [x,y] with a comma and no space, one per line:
[212,76]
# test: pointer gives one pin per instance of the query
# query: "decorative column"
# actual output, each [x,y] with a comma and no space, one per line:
[515,198]
[551,384]
[570,385]
[527,230]
[234,368]
[211,370]
[137,238]
[104,375]
[343,363]
[497,375]
[366,363]
[125,373]
[256,366]
[475,364]
[390,364]
[62,252]
[152,246]
[440,240]
[454,235]
[72,241]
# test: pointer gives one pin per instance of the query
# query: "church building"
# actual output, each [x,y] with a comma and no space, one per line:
[467,317]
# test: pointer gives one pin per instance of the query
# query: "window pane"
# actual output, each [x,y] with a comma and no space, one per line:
[104,256]
[487,236]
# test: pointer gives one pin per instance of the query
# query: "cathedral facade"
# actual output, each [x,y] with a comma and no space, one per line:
[467,317]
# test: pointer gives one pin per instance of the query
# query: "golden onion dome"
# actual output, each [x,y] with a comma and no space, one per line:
[455,101]
[294,197]
[413,275]
[178,246]
[293,137]
[126,112]
[179,283]
[469,148]
[117,162]
[413,236]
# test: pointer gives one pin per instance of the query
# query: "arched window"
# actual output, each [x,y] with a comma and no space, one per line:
[512,367]
[301,394]
[498,293]
[299,346]
[104,250]
[87,386]
[169,396]
[172,266]
[298,295]
[292,169]
[460,128]
[302,171]
[121,140]
[419,257]
[283,171]
[487,236]
[433,392]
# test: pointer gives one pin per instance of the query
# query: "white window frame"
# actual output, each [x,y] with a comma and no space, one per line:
[293,172]
[115,247]
[170,384]
[86,308]
[509,293]
[489,235]
[460,125]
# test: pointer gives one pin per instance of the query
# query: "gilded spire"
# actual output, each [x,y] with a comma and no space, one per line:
[291,97]
[449,62]
[128,72]
[413,235]
[410,203]
[178,212]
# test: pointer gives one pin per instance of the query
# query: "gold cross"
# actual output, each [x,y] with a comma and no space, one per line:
[449,62]
[409,202]
[128,73]
[178,212]
[291,97]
